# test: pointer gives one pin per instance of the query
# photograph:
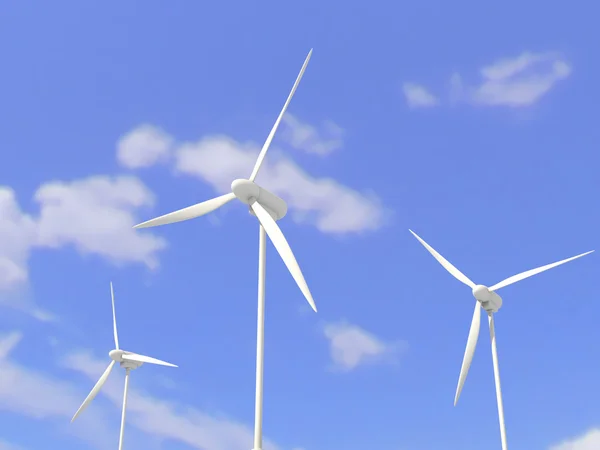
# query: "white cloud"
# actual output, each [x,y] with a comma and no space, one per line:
[143,147]
[588,441]
[305,137]
[324,202]
[514,82]
[518,82]
[418,96]
[331,206]
[95,215]
[8,342]
[17,232]
[351,346]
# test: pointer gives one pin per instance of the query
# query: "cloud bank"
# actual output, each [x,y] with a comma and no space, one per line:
[217,160]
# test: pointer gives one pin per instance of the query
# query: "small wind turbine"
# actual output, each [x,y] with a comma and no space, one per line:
[490,301]
[129,361]
[268,208]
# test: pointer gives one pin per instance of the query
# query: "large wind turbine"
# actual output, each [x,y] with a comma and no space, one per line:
[268,208]
[129,361]
[491,302]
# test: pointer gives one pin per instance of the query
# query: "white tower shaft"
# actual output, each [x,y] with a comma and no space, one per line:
[497,382]
[260,339]
[124,409]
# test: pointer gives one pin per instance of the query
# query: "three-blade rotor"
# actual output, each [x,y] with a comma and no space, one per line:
[119,356]
[265,219]
[476,323]
[476,320]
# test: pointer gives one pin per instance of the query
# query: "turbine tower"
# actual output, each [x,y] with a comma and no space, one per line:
[128,361]
[268,208]
[487,299]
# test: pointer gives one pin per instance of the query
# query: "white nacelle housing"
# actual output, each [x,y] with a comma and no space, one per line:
[248,192]
[117,356]
[490,301]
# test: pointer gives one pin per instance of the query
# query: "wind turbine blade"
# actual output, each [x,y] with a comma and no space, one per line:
[267,143]
[191,212]
[469,351]
[532,272]
[94,390]
[112,296]
[444,262]
[497,381]
[145,359]
[284,250]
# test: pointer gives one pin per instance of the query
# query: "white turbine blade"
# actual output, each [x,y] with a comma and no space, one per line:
[497,381]
[112,296]
[444,262]
[267,143]
[191,212]
[532,272]
[94,390]
[284,250]
[469,350]
[145,359]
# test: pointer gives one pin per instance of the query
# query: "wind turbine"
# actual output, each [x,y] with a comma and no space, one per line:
[491,302]
[129,361]
[268,208]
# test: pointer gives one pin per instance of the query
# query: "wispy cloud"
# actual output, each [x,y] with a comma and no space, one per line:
[305,137]
[588,441]
[331,206]
[519,81]
[514,82]
[4,445]
[351,346]
[418,96]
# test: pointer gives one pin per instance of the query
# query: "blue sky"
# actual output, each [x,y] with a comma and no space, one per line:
[471,124]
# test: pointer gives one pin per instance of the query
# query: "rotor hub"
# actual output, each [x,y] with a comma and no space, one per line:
[490,301]
[249,192]
[245,190]
[116,355]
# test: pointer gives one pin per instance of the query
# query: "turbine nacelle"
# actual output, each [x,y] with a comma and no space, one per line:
[249,192]
[117,356]
[490,301]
